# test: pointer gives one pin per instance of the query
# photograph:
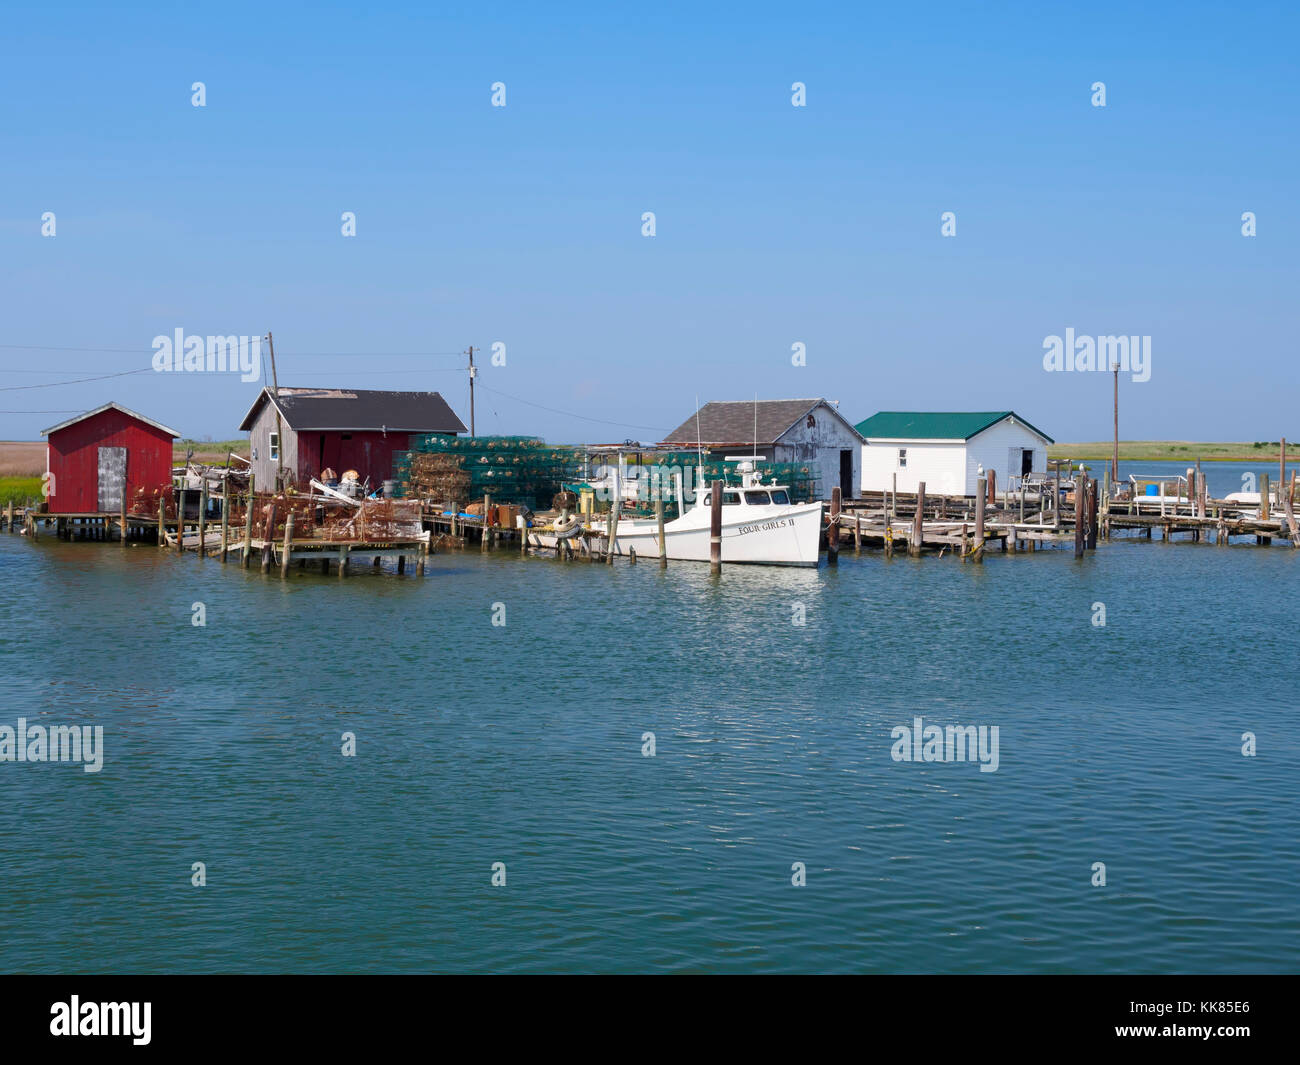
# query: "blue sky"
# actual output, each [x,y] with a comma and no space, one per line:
[775,224]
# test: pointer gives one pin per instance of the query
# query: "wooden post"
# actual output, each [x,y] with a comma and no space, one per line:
[833,529]
[1092,514]
[420,559]
[485,541]
[180,520]
[1080,509]
[162,521]
[9,516]
[455,512]
[659,522]
[918,519]
[1281,473]
[857,532]
[343,560]
[715,530]
[248,523]
[1264,510]
[993,488]
[124,515]
[268,533]
[225,517]
[203,515]
[287,549]
[1105,503]
[631,554]
[981,498]
[612,542]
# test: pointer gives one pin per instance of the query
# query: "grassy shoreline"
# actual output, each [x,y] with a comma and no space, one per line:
[1172,451]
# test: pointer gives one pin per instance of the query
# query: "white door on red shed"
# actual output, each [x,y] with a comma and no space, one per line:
[112,479]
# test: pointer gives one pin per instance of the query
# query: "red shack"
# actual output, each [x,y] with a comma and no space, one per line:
[95,457]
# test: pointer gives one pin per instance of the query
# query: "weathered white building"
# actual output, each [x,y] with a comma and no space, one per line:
[946,450]
[808,431]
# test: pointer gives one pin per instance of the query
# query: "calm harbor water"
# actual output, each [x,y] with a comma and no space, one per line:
[522,744]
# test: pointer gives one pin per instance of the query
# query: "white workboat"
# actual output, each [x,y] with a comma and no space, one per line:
[760,525]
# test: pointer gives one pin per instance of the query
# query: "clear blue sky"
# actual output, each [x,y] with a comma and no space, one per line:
[775,224]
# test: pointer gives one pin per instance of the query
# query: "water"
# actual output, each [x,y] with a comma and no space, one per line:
[522,744]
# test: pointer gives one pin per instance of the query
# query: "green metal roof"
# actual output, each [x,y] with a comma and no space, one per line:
[936,425]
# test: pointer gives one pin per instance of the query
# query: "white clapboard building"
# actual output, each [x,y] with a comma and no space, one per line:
[947,449]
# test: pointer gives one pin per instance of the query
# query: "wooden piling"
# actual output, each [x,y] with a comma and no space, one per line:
[1105,503]
[225,518]
[1264,508]
[715,530]
[981,498]
[659,522]
[124,515]
[833,529]
[287,549]
[612,542]
[1092,514]
[268,532]
[918,523]
[485,542]
[180,520]
[203,516]
[248,523]
[343,560]
[1080,508]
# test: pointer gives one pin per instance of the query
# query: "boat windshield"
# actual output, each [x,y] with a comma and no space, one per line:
[728,498]
[780,497]
[758,499]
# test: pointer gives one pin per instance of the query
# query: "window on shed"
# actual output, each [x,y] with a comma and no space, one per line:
[902,458]
[275,446]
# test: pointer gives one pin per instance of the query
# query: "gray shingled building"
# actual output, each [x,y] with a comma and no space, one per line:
[810,431]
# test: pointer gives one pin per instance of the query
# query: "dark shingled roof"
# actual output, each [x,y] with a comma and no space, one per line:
[733,422]
[360,409]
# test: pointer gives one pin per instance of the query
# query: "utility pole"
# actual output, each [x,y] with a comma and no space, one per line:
[279,428]
[1114,461]
[472,374]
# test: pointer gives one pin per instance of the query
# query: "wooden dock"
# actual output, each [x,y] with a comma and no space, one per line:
[915,523]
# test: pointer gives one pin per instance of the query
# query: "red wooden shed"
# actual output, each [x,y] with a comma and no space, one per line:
[95,457]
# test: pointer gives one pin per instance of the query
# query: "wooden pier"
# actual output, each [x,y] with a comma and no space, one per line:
[915,523]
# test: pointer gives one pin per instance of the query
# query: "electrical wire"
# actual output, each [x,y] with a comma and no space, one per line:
[570,414]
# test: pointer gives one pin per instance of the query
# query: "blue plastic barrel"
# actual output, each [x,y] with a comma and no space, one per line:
[1153,489]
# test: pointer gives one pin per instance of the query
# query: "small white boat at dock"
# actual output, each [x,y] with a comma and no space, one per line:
[760,525]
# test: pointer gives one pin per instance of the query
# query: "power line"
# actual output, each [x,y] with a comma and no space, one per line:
[77,381]
[570,414]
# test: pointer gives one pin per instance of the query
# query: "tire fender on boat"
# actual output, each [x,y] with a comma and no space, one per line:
[566,527]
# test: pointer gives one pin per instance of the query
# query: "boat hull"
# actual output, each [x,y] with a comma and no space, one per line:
[788,537]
